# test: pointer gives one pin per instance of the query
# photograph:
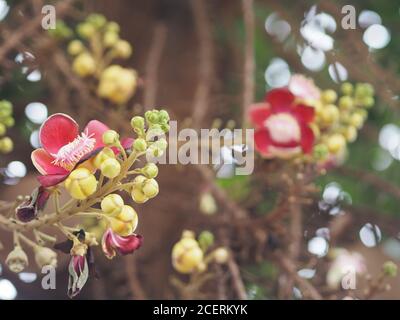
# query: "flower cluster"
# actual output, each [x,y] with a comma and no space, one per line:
[193,256]
[301,120]
[95,167]
[94,52]
[6,121]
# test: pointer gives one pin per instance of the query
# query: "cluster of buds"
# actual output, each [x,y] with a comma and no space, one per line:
[301,121]
[94,52]
[17,259]
[338,118]
[191,255]
[6,121]
[95,167]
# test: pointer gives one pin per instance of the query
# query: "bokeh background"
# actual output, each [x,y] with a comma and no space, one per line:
[34,76]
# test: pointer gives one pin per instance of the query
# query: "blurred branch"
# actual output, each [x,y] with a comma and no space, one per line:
[133,280]
[290,268]
[206,59]
[372,179]
[153,64]
[249,60]
[30,27]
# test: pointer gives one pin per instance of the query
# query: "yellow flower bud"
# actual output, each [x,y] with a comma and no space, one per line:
[187,255]
[138,196]
[110,137]
[150,170]
[110,39]
[122,49]
[103,155]
[126,222]
[3,129]
[350,133]
[75,47]
[346,103]
[208,205]
[329,96]
[84,65]
[121,228]
[221,255]
[150,188]
[117,84]
[86,30]
[336,143]
[110,168]
[347,88]
[81,183]
[45,256]
[127,214]
[112,204]
[357,120]
[6,145]
[17,260]
[330,114]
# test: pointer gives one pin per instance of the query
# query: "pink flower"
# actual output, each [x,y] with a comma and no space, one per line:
[78,274]
[63,147]
[113,243]
[282,125]
[303,87]
[345,263]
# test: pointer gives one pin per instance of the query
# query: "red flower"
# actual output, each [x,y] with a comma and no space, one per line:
[113,243]
[63,147]
[282,125]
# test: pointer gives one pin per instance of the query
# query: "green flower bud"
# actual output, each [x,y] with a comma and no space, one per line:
[9,122]
[368,101]
[163,116]
[390,269]
[140,145]
[150,170]
[165,127]
[112,27]
[110,137]
[110,39]
[320,151]
[85,30]
[152,116]
[150,188]
[137,122]
[5,108]
[2,129]
[206,240]
[75,47]
[347,88]
[97,20]
[346,103]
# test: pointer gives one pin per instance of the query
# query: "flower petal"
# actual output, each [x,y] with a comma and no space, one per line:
[262,141]
[304,113]
[307,139]
[95,129]
[42,161]
[113,243]
[57,131]
[51,180]
[258,113]
[280,99]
